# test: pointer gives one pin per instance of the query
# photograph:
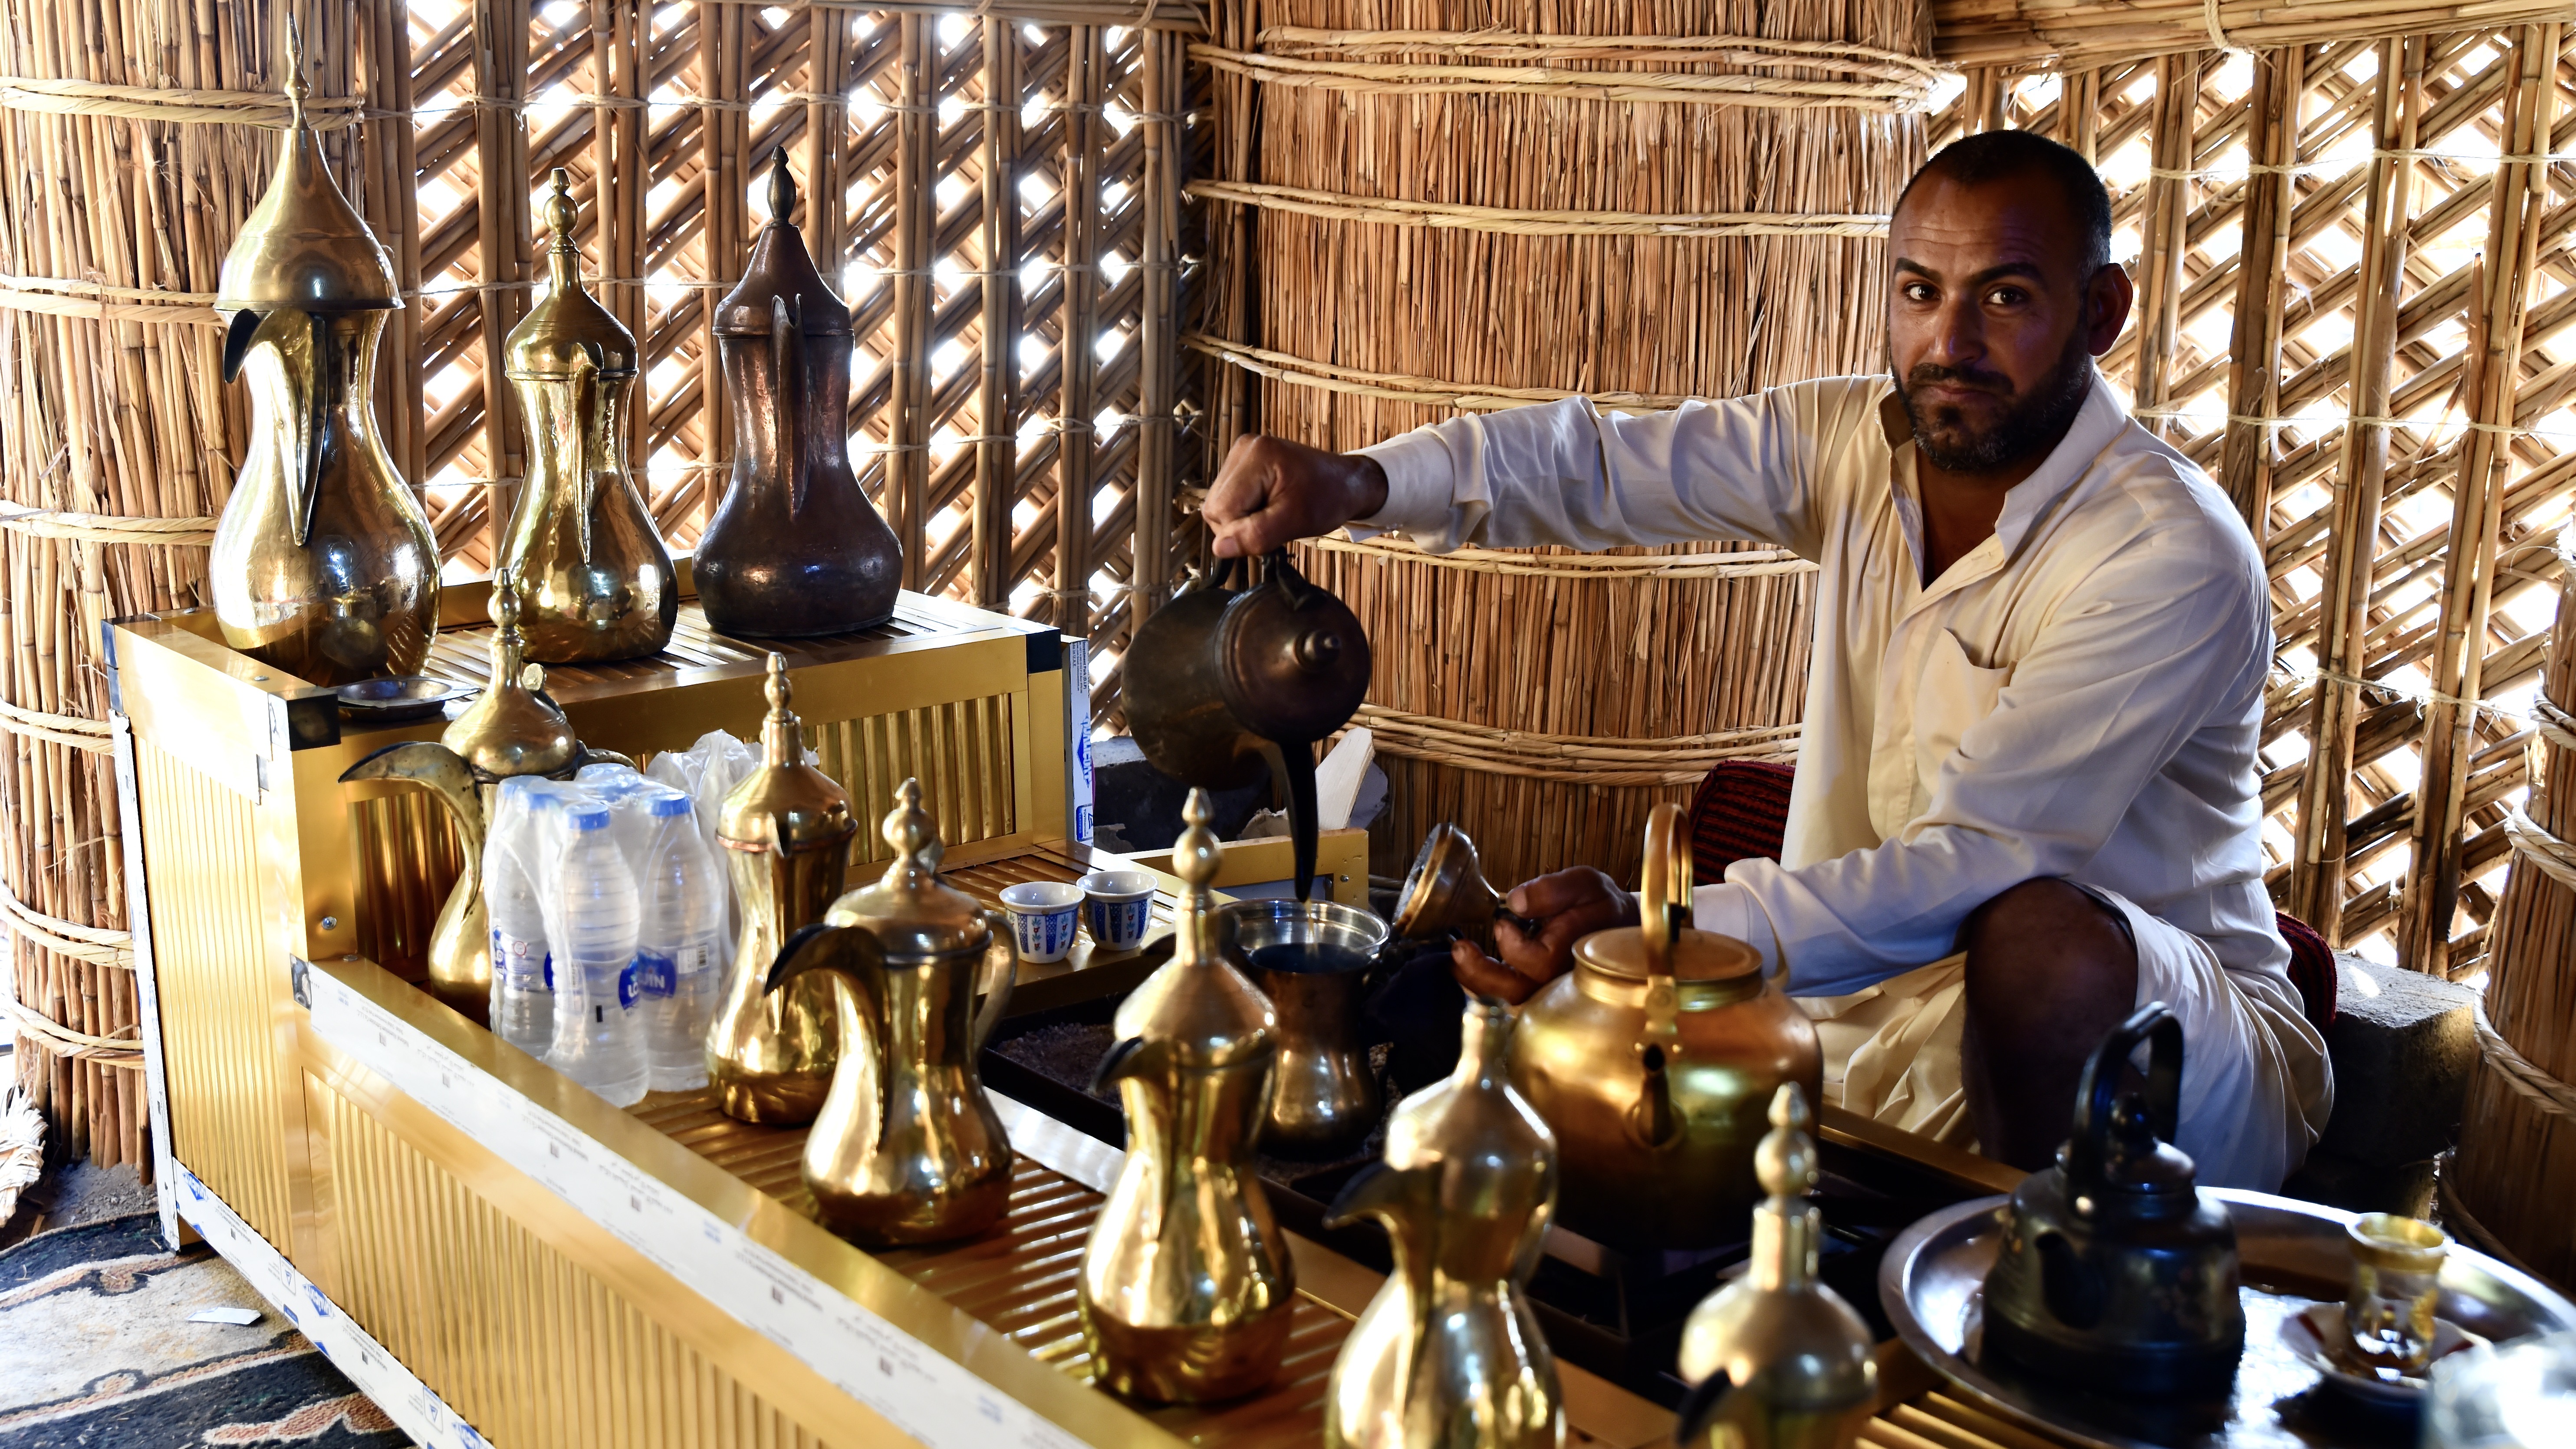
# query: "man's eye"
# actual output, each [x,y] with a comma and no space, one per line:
[1917,292]
[2004,297]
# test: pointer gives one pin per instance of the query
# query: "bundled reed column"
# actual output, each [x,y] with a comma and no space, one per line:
[1688,204]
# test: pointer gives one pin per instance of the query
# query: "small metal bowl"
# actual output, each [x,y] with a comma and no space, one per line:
[403,697]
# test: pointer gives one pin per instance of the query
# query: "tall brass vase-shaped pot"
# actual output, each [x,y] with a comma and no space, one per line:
[907,1149]
[1654,1060]
[786,831]
[1186,1284]
[1449,1351]
[794,548]
[595,581]
[323,564]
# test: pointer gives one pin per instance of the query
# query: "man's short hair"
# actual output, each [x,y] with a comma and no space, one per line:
[1997,155]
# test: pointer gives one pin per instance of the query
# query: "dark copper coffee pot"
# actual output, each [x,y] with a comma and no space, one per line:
[2115,1271]
[795,548]
[1222,683]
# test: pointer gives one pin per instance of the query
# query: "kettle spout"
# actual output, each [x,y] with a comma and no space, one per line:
[853,952]
[1377,1190]
[1652,1120]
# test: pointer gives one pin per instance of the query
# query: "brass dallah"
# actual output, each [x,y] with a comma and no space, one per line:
[511,729]
[907,1148]
[1449,1352]
[1186,1283]
[786,830]
[1777,1360]
[596,582]
[323,565]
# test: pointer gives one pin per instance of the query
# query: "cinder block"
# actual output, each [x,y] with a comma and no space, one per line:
[2363,1187]
[2402,1046]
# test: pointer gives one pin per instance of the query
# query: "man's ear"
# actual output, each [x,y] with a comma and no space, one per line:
[2106,306]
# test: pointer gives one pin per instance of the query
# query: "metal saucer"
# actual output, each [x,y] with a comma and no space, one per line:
[400,698]
[1931,1284]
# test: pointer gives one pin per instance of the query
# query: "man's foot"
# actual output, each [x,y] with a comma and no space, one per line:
[2051,970]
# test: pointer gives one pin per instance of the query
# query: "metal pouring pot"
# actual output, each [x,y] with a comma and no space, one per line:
[1447,891]
[1221,682]
[1654,1061]
[1312,959]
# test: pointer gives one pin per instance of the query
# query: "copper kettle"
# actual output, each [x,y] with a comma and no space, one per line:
[2115,1271]
[1221,682]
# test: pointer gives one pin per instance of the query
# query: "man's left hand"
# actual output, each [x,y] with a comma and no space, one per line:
[1566,907]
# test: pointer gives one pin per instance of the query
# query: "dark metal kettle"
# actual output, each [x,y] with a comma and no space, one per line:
[1223,682]
[2115,1271]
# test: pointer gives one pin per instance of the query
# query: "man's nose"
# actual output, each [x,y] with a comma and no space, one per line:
[1958,335]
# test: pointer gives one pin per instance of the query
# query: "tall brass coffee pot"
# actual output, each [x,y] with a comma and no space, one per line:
[794,547]
[907,1148]
[1186,1284]
[1449,1351]
[510,729]
[596,581]
[786,830]
[1775,1359]
[1653,1060]
[323,564]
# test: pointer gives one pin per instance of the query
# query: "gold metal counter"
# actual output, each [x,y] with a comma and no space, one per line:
[499,1257]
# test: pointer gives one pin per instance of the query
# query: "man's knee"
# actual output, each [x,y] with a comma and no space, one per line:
[2043,942]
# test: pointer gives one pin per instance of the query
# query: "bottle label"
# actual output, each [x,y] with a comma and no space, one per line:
[521,965]
[656,975]
[626,985]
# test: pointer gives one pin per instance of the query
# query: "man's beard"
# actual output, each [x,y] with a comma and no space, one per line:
[2030,423]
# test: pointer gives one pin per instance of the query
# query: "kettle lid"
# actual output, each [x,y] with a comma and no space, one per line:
[2123,1140]
[304,245]
[1292,660]
[2137,1161]
[567,330]
[784,803]
[910,911]
[780,273]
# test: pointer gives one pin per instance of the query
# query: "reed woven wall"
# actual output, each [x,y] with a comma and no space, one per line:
[1456,204]
[997,191]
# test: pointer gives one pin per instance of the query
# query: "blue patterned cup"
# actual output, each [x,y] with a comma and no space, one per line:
[1042,918]
[1120,903]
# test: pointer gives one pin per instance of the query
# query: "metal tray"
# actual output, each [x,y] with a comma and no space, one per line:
[1932,1285]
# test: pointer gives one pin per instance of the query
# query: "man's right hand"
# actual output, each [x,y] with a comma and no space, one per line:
[1271,491]
[1566,907]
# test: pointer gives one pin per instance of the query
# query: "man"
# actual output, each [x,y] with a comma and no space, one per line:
[2028,793]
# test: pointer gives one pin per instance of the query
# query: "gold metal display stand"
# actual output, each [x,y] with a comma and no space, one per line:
[499,1257]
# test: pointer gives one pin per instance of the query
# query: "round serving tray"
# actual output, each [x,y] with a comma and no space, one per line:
[1932,1285]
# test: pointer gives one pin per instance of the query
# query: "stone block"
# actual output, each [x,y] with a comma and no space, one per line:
[2402,1045]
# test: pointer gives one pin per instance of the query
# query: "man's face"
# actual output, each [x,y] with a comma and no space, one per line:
[1992,324]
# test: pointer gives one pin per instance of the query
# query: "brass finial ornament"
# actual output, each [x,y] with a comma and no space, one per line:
[323,564]
[1776,1359]
[794,547]
[1186,1283]
[595,579]
[510,729]
[907,1148]
[786,830]
[1449,1351]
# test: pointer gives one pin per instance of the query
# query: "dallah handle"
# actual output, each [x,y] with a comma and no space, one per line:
[994,977]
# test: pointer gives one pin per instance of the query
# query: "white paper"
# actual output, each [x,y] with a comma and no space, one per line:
[237,1317]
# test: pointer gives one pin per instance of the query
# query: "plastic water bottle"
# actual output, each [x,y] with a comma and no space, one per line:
[599,1035]
[683,939]
[523,1003]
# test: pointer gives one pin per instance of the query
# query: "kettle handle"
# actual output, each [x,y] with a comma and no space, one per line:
[1285,575]
[2154,1023]
[995,975]
[1663,909]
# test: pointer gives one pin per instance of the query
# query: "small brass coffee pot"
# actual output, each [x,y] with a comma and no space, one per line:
[1449,1351]
[907,1148]
[1775,1359]
[1186,1282]
[597,581]
[1653,1060]
[786,831]
[2115,1271]
[510,729]
[1224,682]
[323,565]
[794,548]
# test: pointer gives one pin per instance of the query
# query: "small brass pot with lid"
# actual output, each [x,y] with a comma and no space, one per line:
[1654,1061]
[907,1148]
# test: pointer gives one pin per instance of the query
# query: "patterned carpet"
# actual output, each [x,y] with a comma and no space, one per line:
[97,1352]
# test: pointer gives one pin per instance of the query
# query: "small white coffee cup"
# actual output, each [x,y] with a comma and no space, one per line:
[1119,904]
[1042,917]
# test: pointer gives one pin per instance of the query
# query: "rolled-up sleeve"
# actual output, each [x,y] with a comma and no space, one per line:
[1565,473]
[2158,641]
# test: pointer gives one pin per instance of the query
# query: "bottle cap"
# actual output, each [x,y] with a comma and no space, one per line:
[670,803]
[589,817]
